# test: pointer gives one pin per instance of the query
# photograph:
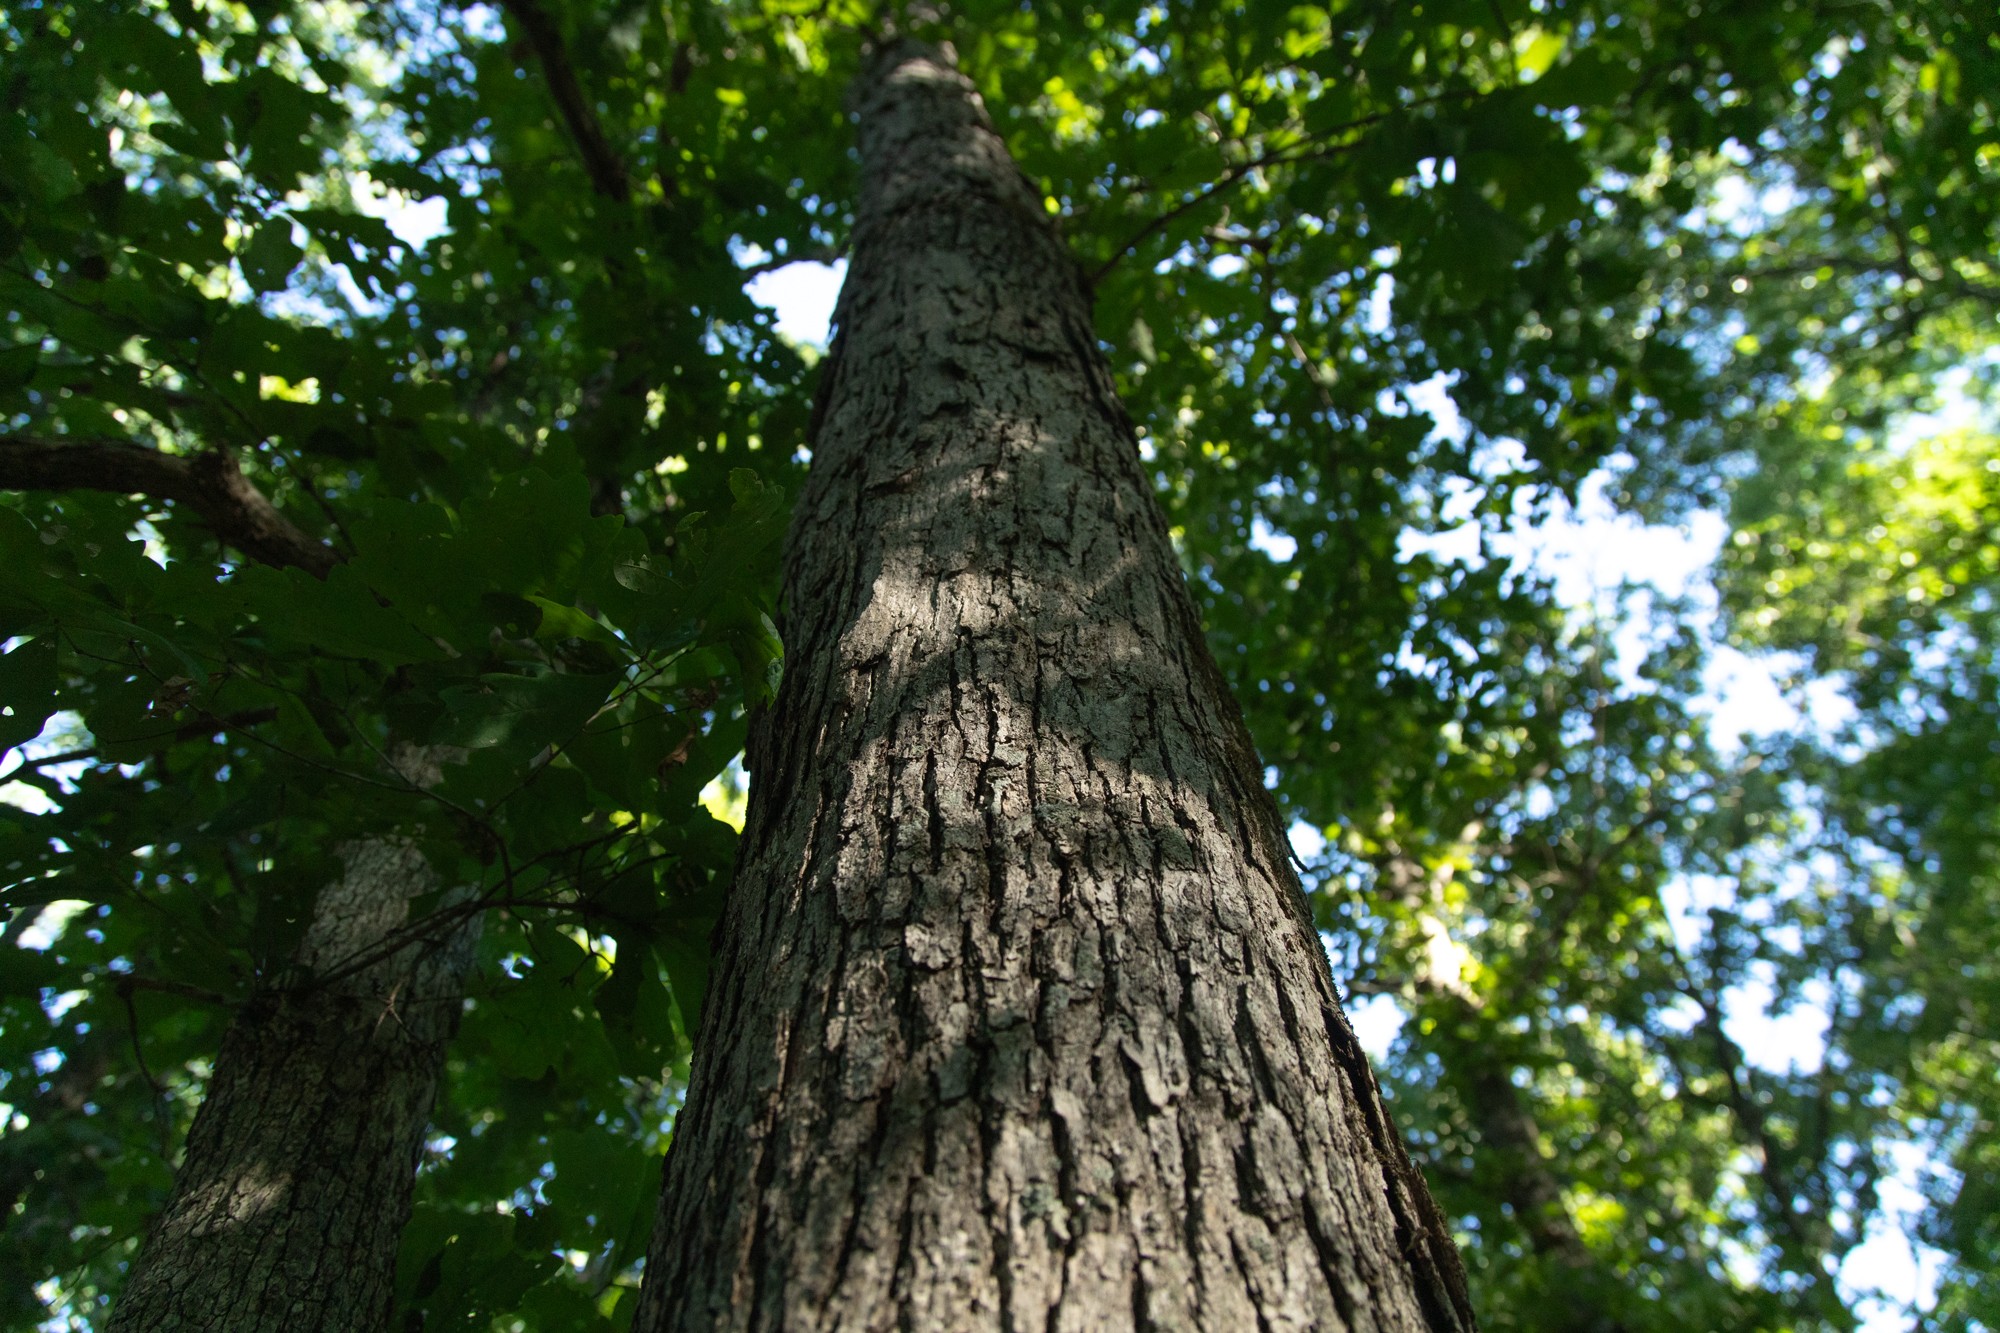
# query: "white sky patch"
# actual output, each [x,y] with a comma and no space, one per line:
[1377,1022]
[1590,552]
[1958,409]
[414,222]
[62,733]
[484,22]
[1380,303]
[1453,546]
[1263,537]
[1890,1271]
[1590,549]
[801,294]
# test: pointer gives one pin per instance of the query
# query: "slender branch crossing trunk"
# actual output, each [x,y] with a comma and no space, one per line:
[291,1201]
[1018,1018]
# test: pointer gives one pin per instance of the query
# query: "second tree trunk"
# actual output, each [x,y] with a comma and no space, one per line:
[288,1209]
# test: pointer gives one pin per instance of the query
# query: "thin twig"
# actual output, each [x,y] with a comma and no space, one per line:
[202,725]
[606,171]
[1289,155]
[131,982]
[145,1071]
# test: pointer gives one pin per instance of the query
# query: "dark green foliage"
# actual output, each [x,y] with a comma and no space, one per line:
[1718,253]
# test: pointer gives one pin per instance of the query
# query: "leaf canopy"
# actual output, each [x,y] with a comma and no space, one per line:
[1390,288]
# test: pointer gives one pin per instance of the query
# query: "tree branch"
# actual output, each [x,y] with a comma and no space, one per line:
[209,483]
[818,254]
[1312,148]
[1174,214]
[129,982]
[205,724]
[606,171]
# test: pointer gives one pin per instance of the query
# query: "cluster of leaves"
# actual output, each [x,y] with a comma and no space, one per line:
[259,718]
[547,559]
[1880,568]
[541,459]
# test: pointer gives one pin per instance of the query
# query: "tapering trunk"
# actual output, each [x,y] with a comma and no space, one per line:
[291,1200]
[1018,1019]
[1509,1132]
[1565,1288]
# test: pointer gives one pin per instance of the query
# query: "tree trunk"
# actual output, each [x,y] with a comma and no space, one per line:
[1018,1017]
[1511,1147]
[290,1204]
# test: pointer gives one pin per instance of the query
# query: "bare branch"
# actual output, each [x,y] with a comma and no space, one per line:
[1312,148]
[606,171]
[818,254]
[209,483]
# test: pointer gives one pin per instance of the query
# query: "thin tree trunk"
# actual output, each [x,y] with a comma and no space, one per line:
[1019,1019]
[1508,1130]
[1511,1147]
[289,1206]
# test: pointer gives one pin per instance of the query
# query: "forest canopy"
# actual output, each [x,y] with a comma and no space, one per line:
[1685,1020]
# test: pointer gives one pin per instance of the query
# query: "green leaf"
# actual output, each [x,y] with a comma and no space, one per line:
[339,615]
[685,954]
[270,257]
[1541,49]
[560,621]
[18,366]
[635,1006]
[49,173]
[28,684]
[522,713]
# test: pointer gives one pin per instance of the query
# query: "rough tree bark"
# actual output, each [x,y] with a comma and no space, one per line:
[291,1200]
[1018,1018]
